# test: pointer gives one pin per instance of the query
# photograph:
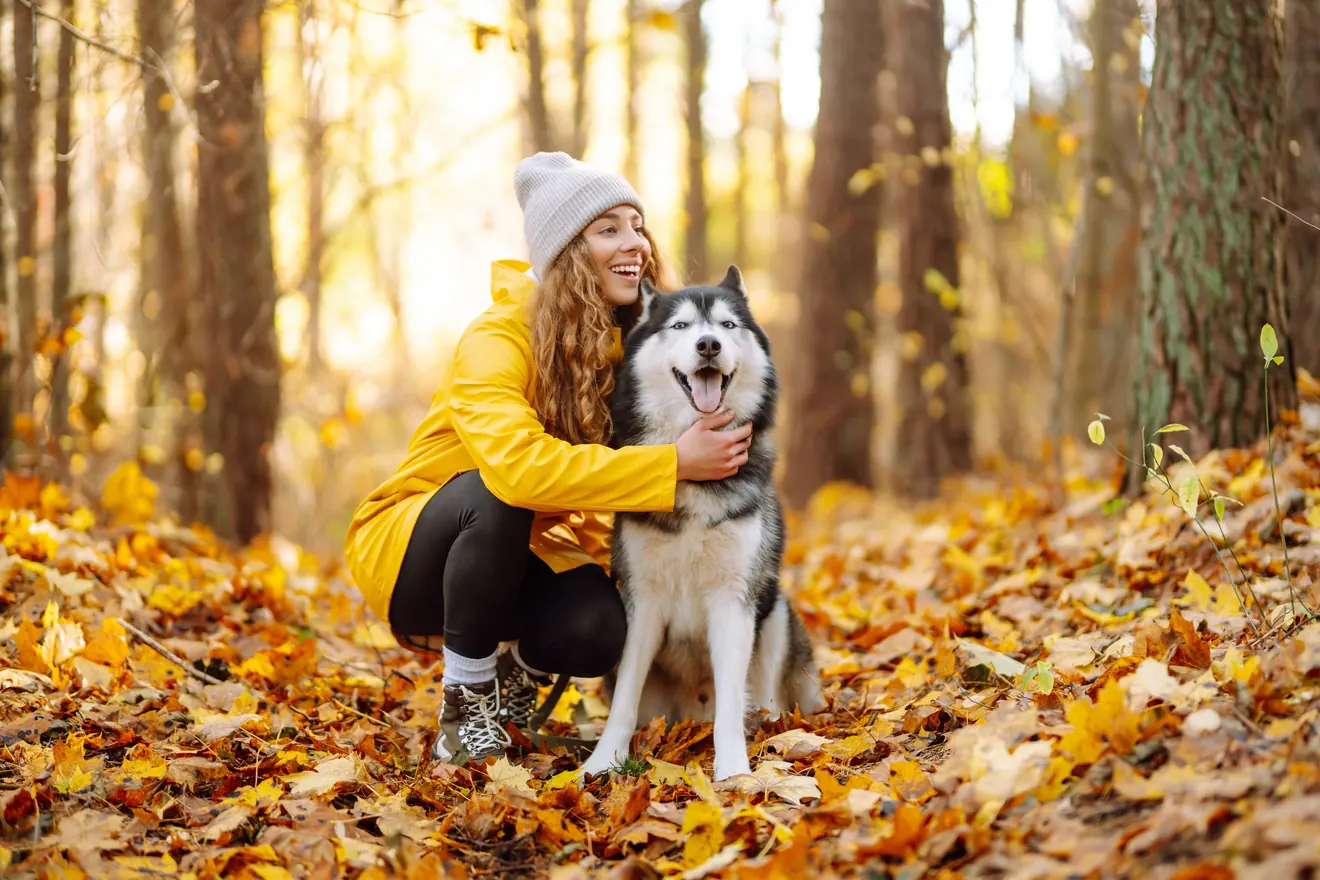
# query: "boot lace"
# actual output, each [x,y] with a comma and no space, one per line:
[480,731]
[520,696]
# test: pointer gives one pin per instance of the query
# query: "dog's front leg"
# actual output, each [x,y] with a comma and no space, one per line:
[645,629]
[732,633]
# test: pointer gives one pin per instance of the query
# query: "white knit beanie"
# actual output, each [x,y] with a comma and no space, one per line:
[559,196]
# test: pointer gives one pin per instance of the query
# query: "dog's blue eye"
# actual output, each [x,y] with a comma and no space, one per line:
[678,325]
[729,325]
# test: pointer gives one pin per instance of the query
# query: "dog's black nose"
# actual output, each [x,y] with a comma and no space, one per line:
[708,346]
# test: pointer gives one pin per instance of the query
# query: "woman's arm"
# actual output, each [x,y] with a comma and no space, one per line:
[524,466]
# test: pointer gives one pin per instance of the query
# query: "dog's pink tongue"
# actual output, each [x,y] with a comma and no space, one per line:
[706,390]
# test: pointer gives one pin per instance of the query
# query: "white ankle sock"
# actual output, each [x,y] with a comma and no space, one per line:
[467,670]
[532,669]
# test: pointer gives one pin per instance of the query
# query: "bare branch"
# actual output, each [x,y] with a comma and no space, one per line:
[1291,214]
[123,56]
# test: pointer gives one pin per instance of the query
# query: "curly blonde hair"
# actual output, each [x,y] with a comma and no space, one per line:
[572,328]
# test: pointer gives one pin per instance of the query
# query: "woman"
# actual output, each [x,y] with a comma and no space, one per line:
[495,529]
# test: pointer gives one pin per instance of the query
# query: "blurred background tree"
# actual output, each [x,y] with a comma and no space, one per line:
[239,240]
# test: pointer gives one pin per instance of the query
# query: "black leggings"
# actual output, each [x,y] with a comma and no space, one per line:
[468,574]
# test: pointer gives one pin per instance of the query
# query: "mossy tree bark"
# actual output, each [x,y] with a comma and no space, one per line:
[830,409]
[1302,179]
[935,438]
[1211,255]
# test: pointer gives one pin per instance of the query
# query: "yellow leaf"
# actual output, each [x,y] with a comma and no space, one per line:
[1101,725]
[662,20]
[911,673]
[910,783]
[568,701]
[128,495]
[1199,596]
[704,823]
[150,866]
[373,635]
[517,778]
[111,646]
[562,780]
[328,774]
[665,773]
[53,501]
[862,180]
[142,763]
[174,601]
[265,794]
[72,772]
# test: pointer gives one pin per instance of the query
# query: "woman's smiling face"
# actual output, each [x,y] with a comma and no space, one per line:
[618,250]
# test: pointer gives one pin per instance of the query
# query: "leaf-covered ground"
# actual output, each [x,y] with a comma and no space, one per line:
[1024,681]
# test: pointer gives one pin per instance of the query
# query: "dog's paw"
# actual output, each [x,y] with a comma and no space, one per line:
[601,761]
[731,765]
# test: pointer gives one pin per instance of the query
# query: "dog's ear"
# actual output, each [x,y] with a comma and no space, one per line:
[733,280]
[645,298]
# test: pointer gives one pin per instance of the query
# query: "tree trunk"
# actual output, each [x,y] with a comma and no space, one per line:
[314,128]
[1099,358]
[830,404]
[741,221]
[27,99]
[538,112]
[6,340]
[579,140]
[935,434]
[632,155]
[1211,256]
[237,274]
[1302,179]
[61,247]
[695,241]
[784,241]
[165,265]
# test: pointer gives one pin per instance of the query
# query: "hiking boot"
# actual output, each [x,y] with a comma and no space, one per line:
[518,690]
[470,724]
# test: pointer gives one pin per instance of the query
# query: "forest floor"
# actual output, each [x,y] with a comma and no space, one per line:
[1026,679]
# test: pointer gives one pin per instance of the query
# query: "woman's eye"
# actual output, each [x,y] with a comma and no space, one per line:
[678,325]
[729,325]
[608,230]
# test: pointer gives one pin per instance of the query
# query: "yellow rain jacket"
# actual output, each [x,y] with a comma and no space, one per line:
[481,418]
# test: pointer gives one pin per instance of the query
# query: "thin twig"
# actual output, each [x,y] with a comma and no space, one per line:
[168,654]
[91,41]
[395,722]
[1291,214]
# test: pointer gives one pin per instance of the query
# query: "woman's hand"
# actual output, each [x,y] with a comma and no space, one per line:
[707,453]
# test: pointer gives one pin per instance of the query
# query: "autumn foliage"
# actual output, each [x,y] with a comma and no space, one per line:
[1026,679]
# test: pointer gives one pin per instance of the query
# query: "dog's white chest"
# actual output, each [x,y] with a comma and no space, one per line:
[686,573]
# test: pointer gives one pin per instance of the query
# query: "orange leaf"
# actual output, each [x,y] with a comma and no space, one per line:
[910,782]
[110,647]
[1193,651]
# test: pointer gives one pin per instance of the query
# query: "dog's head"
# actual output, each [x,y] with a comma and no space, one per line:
[699,351]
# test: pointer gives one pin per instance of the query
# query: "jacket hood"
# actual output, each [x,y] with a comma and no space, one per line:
[509,279]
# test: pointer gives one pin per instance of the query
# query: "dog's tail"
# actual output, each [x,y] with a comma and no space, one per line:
[803,680]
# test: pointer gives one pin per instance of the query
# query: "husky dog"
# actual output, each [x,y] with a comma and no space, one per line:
[706,619]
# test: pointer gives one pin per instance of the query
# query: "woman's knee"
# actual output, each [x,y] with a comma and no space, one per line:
[482,511]
[583,634]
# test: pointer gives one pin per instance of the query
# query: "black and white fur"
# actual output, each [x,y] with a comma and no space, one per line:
[710,634]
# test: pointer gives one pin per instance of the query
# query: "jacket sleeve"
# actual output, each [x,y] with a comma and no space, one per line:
[526,467]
